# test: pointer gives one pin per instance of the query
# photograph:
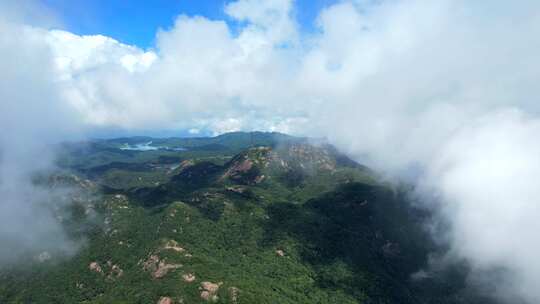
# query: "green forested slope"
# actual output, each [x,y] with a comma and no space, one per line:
[284,221]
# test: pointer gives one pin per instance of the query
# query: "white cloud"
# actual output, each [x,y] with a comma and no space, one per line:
[77,54]
[486,176]
[269,22]
[198,69]
[450,86]
[32,116]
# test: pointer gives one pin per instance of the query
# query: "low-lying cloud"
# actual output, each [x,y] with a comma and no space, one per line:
[449,87]
[32,117]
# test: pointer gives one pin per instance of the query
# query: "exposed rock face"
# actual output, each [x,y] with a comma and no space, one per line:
[243,166]
[164,268]
[188,277]
[186,163]
[239,169]
[210,287]
[159,268]
[116,271]
[239,190]
[258,179]
[94,266]
[173,245]
[111,270]
[233,294]
[247,168]
[151,263]
[311,156]
[165,300]
[205,295]
[209,291]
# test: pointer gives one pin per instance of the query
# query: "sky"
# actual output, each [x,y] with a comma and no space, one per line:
[447,87]
[136,22]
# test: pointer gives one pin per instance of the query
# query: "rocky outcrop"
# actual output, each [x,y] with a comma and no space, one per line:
[158,267]
[233,294]
[239,170]
[109,269]
[115,272]
[188,277]
[173,245]
[95,267]
[237,190]
[209,291]
[249,167]
[165,300]
[186,163]
[246,168]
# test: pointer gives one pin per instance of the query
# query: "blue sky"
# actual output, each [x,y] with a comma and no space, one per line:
[136,21]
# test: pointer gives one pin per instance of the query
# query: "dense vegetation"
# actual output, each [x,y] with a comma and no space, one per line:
[261,217]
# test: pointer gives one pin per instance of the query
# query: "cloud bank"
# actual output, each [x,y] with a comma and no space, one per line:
[32,116]
[449,87]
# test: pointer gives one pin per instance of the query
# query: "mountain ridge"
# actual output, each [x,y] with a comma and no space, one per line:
[278,222]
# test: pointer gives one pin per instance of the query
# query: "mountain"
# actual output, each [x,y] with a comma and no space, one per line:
[238,218]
